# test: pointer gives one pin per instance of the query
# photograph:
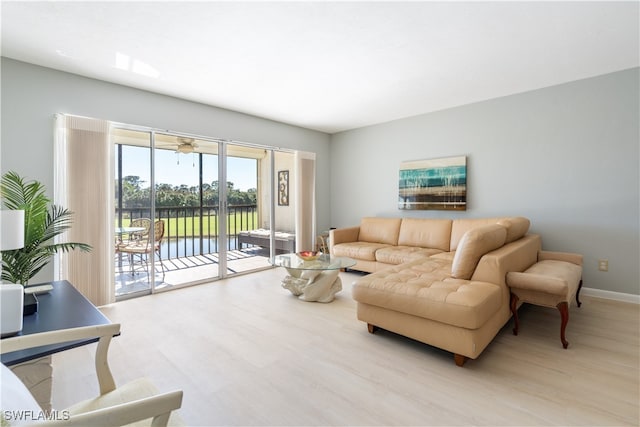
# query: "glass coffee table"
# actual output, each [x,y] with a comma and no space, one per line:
[313,280]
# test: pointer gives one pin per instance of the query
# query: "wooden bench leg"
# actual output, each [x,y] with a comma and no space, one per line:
[564,314]
[459,359]
[372,328]
[578,294]
[514,311]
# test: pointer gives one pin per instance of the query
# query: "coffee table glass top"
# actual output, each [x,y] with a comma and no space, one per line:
[323,262]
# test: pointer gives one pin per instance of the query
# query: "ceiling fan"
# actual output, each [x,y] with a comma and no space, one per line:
[186,145]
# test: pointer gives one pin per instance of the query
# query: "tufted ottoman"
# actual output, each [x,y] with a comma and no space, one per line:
[551,282]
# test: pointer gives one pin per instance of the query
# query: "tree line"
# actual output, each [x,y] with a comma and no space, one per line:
[136,195]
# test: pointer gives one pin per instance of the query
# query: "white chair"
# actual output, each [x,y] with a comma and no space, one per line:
[136,402]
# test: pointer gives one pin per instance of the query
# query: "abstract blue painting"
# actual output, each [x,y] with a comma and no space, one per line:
[433,184]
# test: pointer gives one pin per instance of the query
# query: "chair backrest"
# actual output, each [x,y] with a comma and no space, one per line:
[158,230]
[141,222]
[134,402]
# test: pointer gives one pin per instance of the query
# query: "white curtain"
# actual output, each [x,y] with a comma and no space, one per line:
[305,214]
[84,184]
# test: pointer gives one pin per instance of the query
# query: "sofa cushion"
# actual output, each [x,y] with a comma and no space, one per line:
[423,288]
[447,256]
[516,226]
[379,230]
[358,250]
[400,254]
[473,245]
[461,226]
[425,233]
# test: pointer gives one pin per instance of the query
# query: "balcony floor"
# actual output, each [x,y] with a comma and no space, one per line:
[179,271]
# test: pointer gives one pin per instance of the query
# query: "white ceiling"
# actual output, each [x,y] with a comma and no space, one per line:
[329,66]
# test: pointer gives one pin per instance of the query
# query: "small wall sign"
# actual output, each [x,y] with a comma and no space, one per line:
[283,188]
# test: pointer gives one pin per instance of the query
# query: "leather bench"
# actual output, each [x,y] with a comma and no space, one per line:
[553,281]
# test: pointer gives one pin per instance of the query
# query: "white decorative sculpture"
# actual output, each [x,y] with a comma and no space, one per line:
[313,285]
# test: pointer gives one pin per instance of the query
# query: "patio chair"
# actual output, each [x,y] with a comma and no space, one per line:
[136,402]
[136,236]
[142,248]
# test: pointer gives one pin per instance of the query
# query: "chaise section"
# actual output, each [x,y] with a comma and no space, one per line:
[454,300]
[423,288]
[438,281]
[462,342]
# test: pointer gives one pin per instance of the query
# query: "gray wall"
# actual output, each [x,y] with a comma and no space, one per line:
[31,95]
[566,157]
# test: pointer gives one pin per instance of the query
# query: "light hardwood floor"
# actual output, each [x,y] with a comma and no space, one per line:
[246,352]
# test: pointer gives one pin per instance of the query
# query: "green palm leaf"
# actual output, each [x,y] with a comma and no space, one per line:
[43,222]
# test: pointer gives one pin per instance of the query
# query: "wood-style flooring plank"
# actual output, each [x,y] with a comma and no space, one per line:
[246,352]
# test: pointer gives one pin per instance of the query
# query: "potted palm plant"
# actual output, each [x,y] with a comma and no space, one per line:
[43,222]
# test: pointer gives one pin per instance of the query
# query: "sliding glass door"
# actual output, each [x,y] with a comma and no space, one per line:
[133,213]
[186,202]
[208,209]
[185,209]
[248,201]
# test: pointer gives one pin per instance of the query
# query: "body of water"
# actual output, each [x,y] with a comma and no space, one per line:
[183,247]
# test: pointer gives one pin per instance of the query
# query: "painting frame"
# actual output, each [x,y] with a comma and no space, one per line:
[283,188]
[433,184]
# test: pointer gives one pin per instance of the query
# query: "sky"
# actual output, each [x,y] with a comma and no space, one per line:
[176,169]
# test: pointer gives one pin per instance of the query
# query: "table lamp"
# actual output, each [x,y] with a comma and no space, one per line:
[11,294]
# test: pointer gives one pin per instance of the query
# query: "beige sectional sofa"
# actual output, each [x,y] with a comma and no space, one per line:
[439,281]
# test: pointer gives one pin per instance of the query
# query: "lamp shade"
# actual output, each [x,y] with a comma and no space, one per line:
[11,230]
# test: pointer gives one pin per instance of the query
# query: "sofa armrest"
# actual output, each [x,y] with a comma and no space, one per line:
[560,256]
[343,235]
[536,282]
[516,256]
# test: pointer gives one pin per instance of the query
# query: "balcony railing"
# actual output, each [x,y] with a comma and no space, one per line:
[194,230]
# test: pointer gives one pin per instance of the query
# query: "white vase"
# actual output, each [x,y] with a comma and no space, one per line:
[12,305]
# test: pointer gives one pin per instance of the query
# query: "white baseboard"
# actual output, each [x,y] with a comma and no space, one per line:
[617,296]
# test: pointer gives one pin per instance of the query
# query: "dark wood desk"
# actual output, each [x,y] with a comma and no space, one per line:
[64,307]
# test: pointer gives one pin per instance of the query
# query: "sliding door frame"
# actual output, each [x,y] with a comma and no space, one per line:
[222,197]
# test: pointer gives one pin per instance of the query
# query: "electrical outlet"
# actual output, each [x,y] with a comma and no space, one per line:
[603,264]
